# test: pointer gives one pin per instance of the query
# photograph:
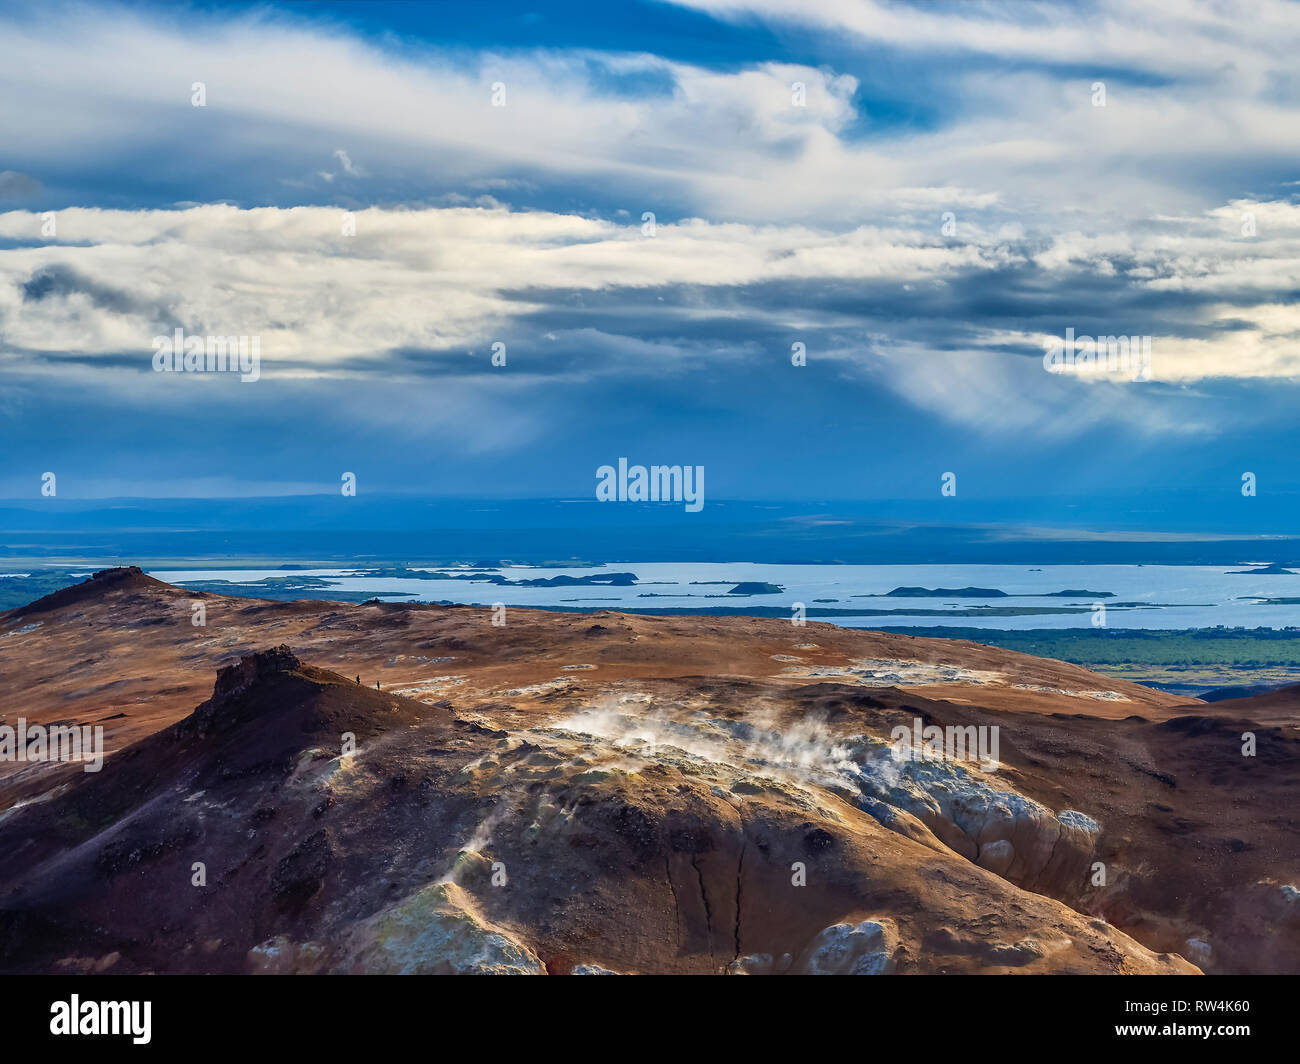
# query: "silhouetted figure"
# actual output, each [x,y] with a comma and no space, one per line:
[377,687]
[358,681]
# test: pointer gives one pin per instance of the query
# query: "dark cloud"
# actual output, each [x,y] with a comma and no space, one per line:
[16,186]
[59,280]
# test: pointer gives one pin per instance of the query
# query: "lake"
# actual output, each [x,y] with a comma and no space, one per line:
[1140,596]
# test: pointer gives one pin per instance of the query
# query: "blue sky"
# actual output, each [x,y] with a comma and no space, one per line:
[923,195]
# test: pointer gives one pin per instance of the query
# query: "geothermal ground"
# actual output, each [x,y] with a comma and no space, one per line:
[608,793]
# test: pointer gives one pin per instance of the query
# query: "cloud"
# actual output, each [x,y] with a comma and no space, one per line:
[1202,94]
[644,232]
[1174,37]
[57,280]
[418,293]
[277,86]
[14,185]
[648,133]
[436,279]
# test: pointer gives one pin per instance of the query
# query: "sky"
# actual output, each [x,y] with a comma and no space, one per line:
[652,206]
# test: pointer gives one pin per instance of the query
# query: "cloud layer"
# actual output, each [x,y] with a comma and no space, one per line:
[923,195]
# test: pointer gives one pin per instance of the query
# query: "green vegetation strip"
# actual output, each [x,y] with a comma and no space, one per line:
[1240,647]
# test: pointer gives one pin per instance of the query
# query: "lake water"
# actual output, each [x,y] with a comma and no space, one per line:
[1170,596]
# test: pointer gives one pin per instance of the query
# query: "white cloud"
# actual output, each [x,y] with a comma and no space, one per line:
[445,283]
[84,88]
[771,195]
[1192,37]
[436,279]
